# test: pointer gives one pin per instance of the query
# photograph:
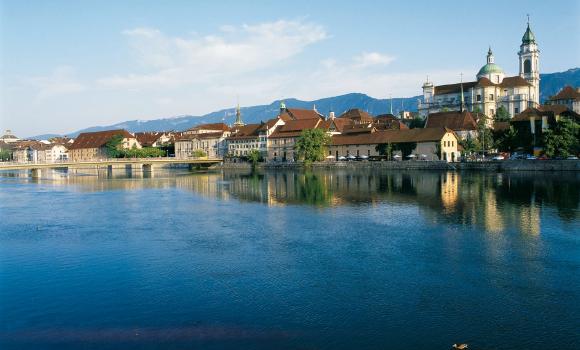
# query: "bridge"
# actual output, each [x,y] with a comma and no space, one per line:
[144,163]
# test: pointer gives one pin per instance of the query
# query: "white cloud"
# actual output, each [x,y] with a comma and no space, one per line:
[367,59]
[176,61]
[62,81]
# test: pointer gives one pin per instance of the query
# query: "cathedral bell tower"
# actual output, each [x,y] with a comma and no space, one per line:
[529,64]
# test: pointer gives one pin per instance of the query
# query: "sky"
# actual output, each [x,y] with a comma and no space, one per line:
[67,65]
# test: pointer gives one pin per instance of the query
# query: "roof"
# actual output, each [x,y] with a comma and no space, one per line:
[392,136]
[299,114]
[545,110]
[246,131]
[339,124]
[294,128]
[201,136]
[356,114]
[97,139]
[147,139]
[567,93]
[37,145]
[514,82]
[529,37]
[389,121]
[8,135]
[210,126]
[454,120]
[490,68]
[500,126]
[481,82]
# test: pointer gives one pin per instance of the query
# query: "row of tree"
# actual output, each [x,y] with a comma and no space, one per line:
[114,150]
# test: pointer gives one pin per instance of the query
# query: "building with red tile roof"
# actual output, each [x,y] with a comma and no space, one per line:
[90,146]
[568,96]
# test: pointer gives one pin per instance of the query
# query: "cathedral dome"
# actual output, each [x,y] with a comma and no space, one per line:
[490,68]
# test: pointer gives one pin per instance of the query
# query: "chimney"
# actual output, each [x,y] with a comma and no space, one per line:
[331,115]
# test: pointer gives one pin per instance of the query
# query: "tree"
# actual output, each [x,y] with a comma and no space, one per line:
[563,139]
[254,156]
[385,149]
[502,115]
[485,136]
[113,146]
[507,140]
[417,122]
[311,145]
[198,153]
[469,145]
[406,148]
[5,155]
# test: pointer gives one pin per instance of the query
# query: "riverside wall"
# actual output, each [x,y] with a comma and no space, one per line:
[491,166]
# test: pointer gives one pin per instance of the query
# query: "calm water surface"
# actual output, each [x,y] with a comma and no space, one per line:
[290,260]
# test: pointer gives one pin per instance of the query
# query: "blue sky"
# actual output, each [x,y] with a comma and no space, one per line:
[65,65]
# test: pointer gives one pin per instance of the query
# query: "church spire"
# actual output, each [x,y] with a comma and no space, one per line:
[490,58]
[238,121]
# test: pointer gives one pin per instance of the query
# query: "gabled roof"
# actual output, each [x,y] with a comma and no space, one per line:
[97,139]
[389,121]
[513,82]
[392,136]
[300,114]
[357,115]
[545,111]
[358,128]
[200,136]
[294,128]
[147,139]
[210,126]
[567,93]
[454,120]
[507,82]
[245,132]
[338,123]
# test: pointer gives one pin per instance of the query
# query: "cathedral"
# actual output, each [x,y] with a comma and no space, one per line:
[492,88]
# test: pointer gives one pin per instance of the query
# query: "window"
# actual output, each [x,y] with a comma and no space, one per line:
[369,153]
[491,97]
[527,66]
[478,98]
[492,111]
[516,110]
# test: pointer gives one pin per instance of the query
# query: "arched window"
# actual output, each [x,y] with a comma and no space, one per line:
[527,66]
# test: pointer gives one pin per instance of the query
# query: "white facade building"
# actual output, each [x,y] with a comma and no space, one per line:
[492,88]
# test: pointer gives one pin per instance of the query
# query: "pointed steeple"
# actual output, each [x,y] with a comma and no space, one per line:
[238,121]
[529,37]
[490,58]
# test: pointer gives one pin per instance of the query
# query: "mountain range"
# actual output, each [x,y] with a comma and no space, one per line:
[550,84]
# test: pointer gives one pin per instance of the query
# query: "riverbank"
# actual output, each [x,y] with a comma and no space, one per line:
[492,166]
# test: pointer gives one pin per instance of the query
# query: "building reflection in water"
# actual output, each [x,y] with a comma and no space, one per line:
[492,201]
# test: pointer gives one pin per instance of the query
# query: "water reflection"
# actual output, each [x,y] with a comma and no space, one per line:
[490,200]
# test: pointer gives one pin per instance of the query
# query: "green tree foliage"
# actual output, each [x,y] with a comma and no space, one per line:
[406,148]
[469,145]
[563,139]
[113,146]
[198,153]
[311,145]
[145,152]
[254,156]
[502,115]
[5,154]
[437,150]
[485,135]
[507,140]
[417,122]
[385,149]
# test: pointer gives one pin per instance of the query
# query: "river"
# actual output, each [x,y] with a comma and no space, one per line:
[342,259]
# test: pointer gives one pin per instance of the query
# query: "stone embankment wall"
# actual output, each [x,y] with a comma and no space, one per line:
[495,166]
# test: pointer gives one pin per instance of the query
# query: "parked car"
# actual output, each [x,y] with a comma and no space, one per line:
[350,157]
[572,158]
[498,157]
[531,157]
[543,157]
[362,157]
[342,158]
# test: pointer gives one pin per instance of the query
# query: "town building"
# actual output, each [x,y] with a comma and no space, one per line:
[9,137]
[430,144]
[532,123]
[569,97]
[462,123]
[492,88]
[154,138]
[89,146]
[252,137]
[212,144]
[207,128]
